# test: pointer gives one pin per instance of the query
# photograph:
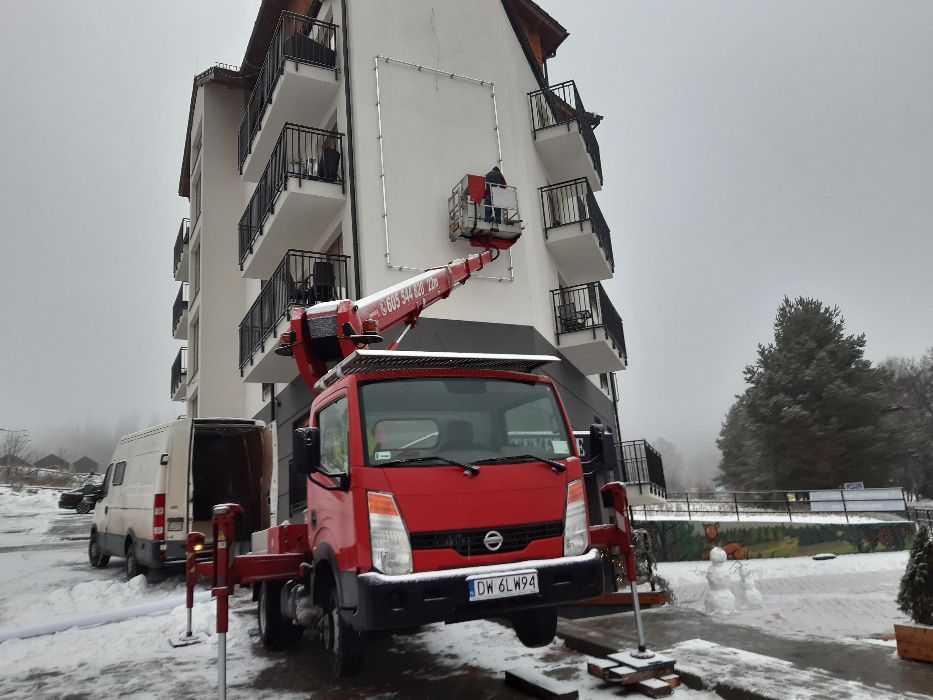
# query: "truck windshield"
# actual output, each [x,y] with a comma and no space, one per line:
[465,419]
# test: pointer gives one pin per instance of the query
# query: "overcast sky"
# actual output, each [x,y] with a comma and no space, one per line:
[751,150]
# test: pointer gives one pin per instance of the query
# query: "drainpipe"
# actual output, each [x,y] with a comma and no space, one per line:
[351,170]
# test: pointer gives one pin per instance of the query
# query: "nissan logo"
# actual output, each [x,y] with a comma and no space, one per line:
[493,540]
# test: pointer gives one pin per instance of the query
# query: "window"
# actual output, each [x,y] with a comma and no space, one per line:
[118,472]
[333,423]
[461,418]
[195,202]
[267,390]
[195,273]
[193,350]
[106,484]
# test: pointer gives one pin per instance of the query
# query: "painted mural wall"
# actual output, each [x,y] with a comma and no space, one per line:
[678,540]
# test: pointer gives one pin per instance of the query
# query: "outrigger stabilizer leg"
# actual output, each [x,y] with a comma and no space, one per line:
[194,544]
[623,540]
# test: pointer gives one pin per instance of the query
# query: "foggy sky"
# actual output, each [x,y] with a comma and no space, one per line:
[751,150]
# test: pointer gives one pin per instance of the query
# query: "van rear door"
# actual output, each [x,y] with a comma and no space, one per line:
[178,451]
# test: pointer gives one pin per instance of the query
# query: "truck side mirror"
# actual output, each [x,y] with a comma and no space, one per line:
[306,450]
[597,447]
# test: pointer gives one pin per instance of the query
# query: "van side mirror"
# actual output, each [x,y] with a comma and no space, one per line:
[306,450]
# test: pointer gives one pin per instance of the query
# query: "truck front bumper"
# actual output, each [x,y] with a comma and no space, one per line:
[395,602]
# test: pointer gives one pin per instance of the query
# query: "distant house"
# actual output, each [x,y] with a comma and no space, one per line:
[11,461]
[52,461]
[85,465]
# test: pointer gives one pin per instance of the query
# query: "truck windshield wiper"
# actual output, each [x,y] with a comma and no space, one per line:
[556,466]
[469,469]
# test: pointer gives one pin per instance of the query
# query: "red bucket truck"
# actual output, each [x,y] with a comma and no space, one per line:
[441,487]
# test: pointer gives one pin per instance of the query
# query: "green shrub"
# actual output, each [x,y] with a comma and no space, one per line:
[916,594]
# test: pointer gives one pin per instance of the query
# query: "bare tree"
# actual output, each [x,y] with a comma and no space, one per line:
[14,451]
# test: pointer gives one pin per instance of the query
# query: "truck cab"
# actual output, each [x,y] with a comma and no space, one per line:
[441,487]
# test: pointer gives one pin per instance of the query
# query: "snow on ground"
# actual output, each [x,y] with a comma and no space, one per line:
[851,597]
[42,582]
[25,515]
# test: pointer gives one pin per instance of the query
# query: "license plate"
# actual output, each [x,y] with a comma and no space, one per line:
[503,586]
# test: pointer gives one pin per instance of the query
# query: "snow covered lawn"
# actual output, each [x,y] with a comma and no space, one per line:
[850,597]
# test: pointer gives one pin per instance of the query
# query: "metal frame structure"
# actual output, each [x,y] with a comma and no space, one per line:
[382,169]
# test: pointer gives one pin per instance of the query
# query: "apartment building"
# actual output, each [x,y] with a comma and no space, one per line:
[329,165]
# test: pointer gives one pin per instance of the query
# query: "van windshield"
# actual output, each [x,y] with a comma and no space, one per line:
[465,419]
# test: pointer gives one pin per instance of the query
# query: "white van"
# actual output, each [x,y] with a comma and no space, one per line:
[164,481]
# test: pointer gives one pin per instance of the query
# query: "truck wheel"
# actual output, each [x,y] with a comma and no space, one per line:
[535,628]
[274,630]
[133,567]
[95,554]
[342,642]
[83,508]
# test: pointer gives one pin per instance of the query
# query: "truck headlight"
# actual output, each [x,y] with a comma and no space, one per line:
[576,527]
[388,536]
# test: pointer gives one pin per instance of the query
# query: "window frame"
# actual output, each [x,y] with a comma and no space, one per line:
[118,471]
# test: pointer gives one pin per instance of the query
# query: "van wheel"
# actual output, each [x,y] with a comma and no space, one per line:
[133,567]
[535,628]
[95,554]
[344,643]
[275,631]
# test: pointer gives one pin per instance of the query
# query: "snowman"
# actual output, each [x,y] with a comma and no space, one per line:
[719,599]
[749,595]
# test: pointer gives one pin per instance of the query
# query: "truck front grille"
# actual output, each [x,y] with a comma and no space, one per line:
[470,542]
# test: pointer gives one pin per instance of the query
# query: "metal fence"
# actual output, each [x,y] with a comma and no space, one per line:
[922,516]
[302,153]
[301,279]
[180,305]
[573,202]
[560,105]
[752,505]
[296,38]
[586,307]
[181,240]
[179,369]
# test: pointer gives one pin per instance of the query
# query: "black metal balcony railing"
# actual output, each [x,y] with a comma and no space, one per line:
[641,463]
[586,307]
[296,38]
[302,153]
[301,279]
[179,369]
[561,105]
[573,202]
[180,305]
[181,240]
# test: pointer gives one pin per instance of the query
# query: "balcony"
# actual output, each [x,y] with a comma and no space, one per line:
[576,232]
[300,192]
[643,473]
[297,82]
[301,279]
[179,384]
[563,132]
[180,259]
[589,329]
[180,313]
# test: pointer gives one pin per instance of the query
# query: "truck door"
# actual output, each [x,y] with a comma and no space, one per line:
[102,509]
[330,512]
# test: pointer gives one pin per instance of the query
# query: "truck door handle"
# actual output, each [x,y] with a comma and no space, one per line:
[313,519]
[106,508]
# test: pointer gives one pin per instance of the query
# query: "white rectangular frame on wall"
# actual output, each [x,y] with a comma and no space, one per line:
[382,171]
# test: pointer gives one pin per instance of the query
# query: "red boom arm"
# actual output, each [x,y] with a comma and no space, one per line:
[330,331]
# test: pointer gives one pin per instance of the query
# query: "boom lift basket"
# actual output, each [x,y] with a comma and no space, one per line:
[484,213]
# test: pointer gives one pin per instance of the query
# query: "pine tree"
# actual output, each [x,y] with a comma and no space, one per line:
[813,413]
[915,597]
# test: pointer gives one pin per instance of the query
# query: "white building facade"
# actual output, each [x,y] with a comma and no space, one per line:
[322,169]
